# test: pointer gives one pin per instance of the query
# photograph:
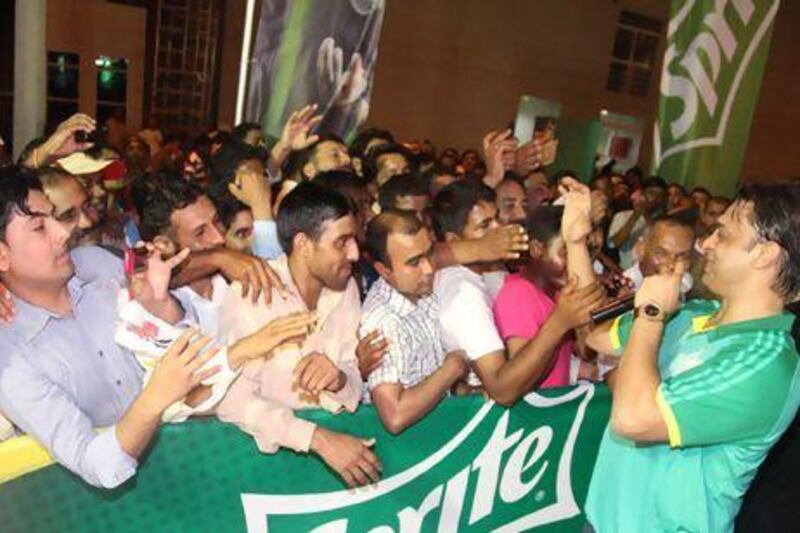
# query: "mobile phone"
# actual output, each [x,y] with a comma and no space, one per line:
[96,136]
[135,256]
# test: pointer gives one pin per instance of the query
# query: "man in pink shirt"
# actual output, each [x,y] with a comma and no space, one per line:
[318,232]
[544,288]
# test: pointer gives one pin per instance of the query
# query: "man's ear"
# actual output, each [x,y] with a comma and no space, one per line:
[302,245]
[310,171]
[5,257]
[357,166]
[383,270]
[638,249]
[451,237]
[536,249]
[768,255]
[165,245]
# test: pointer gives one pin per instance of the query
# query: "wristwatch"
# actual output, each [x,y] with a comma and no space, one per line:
[650,311]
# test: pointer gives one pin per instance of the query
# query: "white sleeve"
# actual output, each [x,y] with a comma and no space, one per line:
[467,321]
[617,222]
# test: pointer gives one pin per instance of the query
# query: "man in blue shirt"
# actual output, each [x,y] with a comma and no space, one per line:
[62,376]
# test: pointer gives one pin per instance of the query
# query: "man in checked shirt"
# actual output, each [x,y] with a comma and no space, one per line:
[416,373]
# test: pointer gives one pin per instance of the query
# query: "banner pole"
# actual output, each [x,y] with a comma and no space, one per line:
[245,60]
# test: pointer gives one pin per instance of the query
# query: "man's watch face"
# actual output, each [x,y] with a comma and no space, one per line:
[652,311]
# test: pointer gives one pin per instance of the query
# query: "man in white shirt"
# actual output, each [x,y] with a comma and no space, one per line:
[627,227]
[465,210]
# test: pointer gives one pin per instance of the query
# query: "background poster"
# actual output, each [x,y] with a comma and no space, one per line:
[314,51]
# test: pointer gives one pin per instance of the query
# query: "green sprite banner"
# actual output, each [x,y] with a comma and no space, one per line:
[469,466]
[711,77]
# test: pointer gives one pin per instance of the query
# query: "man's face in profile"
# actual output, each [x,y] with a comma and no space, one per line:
[36,248]
[331,257]
[331,155]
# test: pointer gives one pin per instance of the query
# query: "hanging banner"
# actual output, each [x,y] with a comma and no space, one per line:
[469,465]
[715,58]
[314,52]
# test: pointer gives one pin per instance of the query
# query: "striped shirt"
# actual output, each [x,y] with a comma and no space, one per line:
[413,332]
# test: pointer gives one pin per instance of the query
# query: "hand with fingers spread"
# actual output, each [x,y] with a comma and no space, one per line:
[297,131]
[293,328]
[574,306]
[504,243]
[371,350]
[254,274]
[253,190]
[7,308]
[576,222]
[296,135]
[62,142]
[316,372]
[180,370]
[348,456]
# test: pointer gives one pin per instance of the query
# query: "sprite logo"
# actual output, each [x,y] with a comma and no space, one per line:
[710,45]
[500,473]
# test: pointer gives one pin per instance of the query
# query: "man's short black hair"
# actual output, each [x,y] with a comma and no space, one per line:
[686,218]
[344,182]
[544,223]
[679,187]
[305,210]
[398,186]
[227,159]
[563,173]
[383,225]
[776,218]
[300,158]
[227,205]
[451,207]
[240,132]
[371,163]
[16,183]
[654,182]
[701,190]
[358,148]
[157,196]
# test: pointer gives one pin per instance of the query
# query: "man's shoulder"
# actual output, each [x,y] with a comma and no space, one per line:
[377,296]
[9,347]
[456,279]
[95,262]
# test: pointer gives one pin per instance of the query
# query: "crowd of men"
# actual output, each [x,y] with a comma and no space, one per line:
[248,278]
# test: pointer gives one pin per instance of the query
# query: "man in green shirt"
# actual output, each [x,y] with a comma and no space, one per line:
[703,390]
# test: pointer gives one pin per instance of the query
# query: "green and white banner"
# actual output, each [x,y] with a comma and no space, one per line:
[715,58]
[469,466]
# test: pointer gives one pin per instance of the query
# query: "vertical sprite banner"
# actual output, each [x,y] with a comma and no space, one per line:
[716,54]
[314,52]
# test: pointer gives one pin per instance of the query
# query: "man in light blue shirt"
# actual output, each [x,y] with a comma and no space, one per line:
[62,377]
